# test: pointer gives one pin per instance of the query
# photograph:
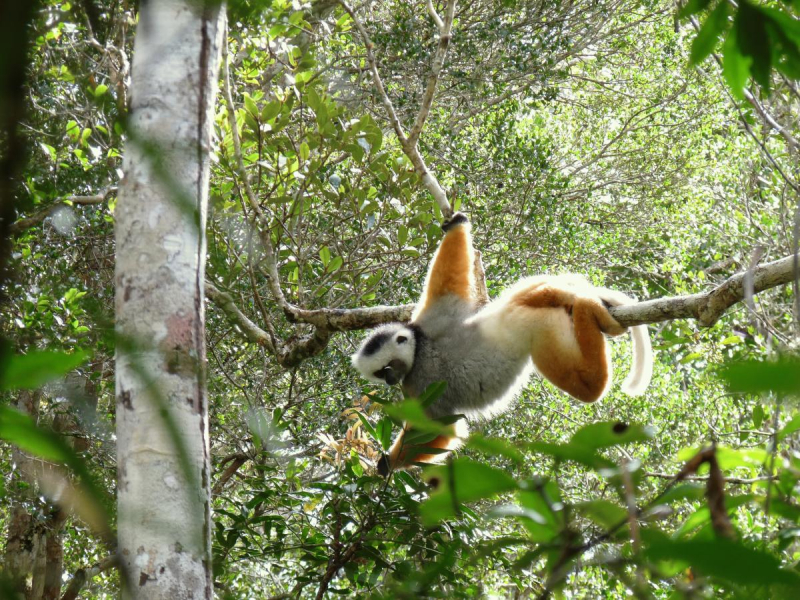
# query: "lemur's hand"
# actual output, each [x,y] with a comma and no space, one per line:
[458,218]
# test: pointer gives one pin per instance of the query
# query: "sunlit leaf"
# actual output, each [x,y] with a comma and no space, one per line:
[33,370]
[20,430]
[781,376]
[708,36]
[726,560]
[462,480]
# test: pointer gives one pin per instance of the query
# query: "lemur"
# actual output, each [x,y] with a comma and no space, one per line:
[485,352]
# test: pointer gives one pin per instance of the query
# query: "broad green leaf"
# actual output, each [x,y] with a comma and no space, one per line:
[250,105]
[410,412]
[495,447]
[780,377]
[432,393]
[788,429]
[270,110]
[692,7]
[20,430]
[325,255]
[576,453]
[753,41]
[417,437]
[540,530]
[462,480]
[383,430]
[368,426]
[706,39]
[758,416]
[735,66]
[603,512]
[335,264]
[604,435]
[683,491]
[703,515]
[305,151]
[726,560]
[31,371]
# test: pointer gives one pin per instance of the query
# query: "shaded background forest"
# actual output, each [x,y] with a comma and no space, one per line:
[579,138]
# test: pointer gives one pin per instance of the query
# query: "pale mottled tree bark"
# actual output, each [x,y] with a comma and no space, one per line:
[164,522]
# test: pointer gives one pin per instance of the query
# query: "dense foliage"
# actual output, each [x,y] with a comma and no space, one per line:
[619,138]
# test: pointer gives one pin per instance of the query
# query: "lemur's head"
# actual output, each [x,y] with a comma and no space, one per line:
[387,355]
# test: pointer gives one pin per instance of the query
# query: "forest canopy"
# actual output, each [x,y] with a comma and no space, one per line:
[205,207]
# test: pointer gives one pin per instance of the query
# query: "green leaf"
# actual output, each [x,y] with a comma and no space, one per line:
[495,447]
[788,429]
[416,437]
[540,529]
[432,393]
[726,560]
[384,432]
[325,255]
[270,110]
[462,480]
[753,41]
[411,412]
[706,40]
[735,66]
[335,264]
[604,435]
[305,151]
[692,7]
[19,429]
[603,512]
[756,377]
[100,90]
[758,416]
[31,371]
[684,491]
[250,105]
[579,454]
[368,426]
[703,515]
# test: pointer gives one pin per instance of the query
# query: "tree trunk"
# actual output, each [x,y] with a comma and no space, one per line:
[164,519]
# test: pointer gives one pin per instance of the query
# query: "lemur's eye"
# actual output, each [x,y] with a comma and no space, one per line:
[401,339]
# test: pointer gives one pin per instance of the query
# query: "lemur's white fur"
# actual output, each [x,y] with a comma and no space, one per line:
[485,353]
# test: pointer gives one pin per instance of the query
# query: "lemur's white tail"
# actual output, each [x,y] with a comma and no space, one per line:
[642,366]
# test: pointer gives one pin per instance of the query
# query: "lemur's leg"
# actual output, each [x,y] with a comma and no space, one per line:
[571,353]
[402,455]
[451,271]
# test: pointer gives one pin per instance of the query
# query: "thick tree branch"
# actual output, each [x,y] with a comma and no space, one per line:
[26,223]
[409,142]
[332,319]
[706,307]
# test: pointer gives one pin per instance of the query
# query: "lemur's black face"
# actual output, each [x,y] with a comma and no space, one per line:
[393,372]
[387,355]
